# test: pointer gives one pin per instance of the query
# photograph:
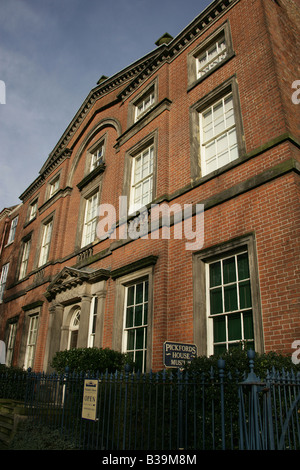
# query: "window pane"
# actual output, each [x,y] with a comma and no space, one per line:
[229,274]
[234,327]
[230,297]
[138,317]
[229,114]
[210,150]
[215,274]
[139,293]
[243,266]
[130,296]
[219,329]
[140,338]
[145,313]
[129,317]
[139,361]
[216,304]
[245,294]
[130,340]
[248,325]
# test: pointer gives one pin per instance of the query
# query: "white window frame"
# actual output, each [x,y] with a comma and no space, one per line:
[25,257]
[97,157]
[92,323]
[219,41]
[12,332]
[144,104]
[226,313]
[13,228]
[74,325]
[90,219]
[3,278]
[227,135]
[134,328]
[53,186]
[31,341]
[46,242]
[32,210]
[139,179]
[211,61]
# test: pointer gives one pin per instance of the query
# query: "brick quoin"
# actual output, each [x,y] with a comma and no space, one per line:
[250,204]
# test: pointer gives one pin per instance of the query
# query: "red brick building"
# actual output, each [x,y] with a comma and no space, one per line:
[205,120]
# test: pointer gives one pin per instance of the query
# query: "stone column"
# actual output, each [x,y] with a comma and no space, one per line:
[54,333]
[101,295]
[84,321]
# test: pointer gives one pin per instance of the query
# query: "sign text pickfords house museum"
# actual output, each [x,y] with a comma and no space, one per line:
[178,354]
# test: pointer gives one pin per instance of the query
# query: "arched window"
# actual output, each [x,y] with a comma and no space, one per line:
[74,327]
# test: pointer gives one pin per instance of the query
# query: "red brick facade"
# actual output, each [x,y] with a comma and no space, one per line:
[251,204]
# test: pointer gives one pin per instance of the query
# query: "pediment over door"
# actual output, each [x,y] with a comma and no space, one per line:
[73,282]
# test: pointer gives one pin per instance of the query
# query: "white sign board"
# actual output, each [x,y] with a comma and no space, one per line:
[90,397]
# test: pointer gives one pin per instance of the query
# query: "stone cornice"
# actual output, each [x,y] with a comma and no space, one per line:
[44,173]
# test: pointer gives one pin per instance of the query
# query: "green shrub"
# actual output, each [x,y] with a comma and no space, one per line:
[89,359]
[237,360]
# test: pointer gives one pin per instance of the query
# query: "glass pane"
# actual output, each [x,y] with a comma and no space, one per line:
[234,327]
[130,296]
[223,159]
[146,291]
[145,313]
[140,338]
[230,297]
[229,274]
[212,165]
[129,317]
[210,150]
[138,317]
[219,329]
[139,361]
[243,266]
[248,325]
[229,111]
[215,274]
[245,294]
[139,293]
[216,305]
[130,340]
[219,123]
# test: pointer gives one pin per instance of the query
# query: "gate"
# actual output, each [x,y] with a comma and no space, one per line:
[269,411]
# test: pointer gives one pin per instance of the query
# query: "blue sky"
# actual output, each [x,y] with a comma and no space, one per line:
[52,53]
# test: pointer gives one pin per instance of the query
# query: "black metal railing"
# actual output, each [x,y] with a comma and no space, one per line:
[166,410]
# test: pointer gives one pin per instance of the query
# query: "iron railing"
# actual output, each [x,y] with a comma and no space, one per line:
[166,410]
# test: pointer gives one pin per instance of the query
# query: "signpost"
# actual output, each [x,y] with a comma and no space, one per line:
[90,398]
[178,354]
